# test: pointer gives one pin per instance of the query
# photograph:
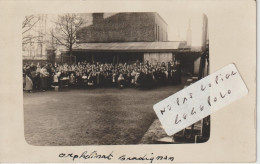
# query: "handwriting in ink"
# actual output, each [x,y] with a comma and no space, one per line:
[221,96]
[181,101]
[201,107]
[162,111]
[150,158]
[218,78]
[96,155]
[86,155]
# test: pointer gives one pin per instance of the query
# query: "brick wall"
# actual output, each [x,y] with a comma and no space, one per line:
[121,27]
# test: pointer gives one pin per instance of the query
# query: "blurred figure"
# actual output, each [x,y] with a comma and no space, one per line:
[121,81]
[44,77]
[28,80]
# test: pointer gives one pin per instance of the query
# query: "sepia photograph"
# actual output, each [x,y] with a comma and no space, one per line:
[93,78]
[128,81]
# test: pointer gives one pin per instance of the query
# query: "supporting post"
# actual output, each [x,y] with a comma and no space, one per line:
[114,60]
[92,58]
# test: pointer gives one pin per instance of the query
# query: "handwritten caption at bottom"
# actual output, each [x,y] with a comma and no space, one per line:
[200,99]
[95,155]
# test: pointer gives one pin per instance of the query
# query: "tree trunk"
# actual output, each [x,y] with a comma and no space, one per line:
[70,51]
[70,54]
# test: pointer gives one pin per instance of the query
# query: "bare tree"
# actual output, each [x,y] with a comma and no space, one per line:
[27,26]
[65,31]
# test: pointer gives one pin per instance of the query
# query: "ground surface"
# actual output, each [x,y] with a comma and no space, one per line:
[101,116]
[156,135]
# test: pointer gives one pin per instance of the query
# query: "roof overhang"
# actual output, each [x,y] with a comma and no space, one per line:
[133,47]
[145,47]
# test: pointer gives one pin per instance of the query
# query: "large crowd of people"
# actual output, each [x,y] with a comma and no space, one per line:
[82,75]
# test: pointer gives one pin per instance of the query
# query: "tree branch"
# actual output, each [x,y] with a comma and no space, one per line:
[30,26]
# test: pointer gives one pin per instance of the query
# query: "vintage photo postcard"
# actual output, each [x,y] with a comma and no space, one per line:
[127,82]
[105,70]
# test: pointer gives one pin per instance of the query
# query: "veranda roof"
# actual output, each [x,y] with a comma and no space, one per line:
[133,46]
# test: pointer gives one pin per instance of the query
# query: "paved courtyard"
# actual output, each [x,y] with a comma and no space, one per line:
[99,116]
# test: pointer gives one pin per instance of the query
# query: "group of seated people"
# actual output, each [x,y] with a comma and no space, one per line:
[83,74]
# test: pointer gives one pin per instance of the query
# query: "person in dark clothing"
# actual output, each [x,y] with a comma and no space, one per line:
[160,76]
[141,79]
[79,81]
[174,74]
[128,79]
[35,77]
[179,72]
[101,78]
[148,80]
[169,70]
[44,77]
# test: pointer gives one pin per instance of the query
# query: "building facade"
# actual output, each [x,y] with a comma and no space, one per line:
[124,27]
[120,37]
[125,37]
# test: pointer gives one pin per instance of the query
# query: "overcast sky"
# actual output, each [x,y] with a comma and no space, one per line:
[178,26]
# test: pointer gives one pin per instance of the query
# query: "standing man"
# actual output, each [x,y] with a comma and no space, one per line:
[178,71]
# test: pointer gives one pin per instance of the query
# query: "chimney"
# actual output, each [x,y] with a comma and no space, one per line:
[97,18]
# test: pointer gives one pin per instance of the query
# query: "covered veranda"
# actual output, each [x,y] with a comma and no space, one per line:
[128,51]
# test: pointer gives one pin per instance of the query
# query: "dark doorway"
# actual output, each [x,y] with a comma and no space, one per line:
[130,57]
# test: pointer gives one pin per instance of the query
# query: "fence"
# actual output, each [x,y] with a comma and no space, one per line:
[49,59]
[35,59]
